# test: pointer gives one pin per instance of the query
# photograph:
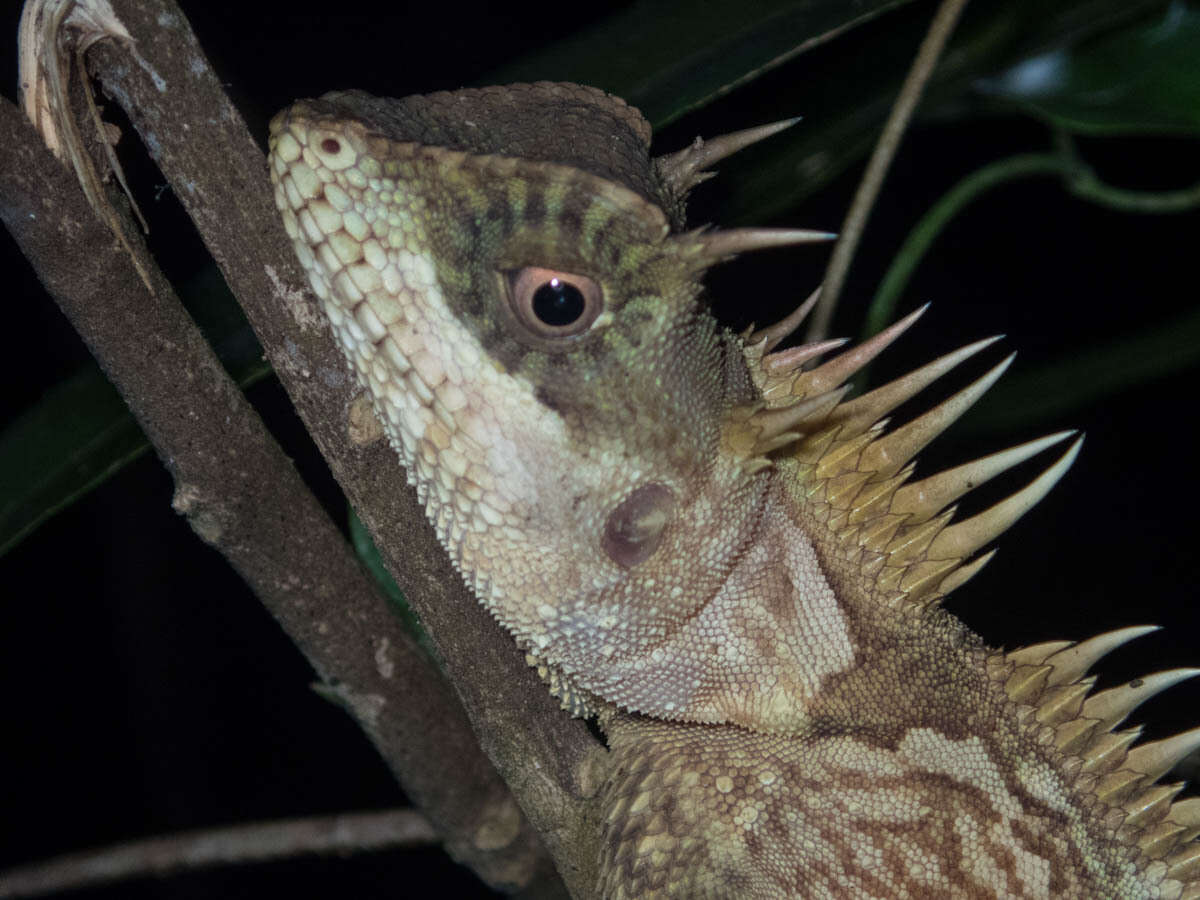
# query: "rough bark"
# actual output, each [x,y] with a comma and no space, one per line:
[242,495]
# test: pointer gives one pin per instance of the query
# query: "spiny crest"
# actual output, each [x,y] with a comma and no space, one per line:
[855,471]
[1049,681]
[858,471]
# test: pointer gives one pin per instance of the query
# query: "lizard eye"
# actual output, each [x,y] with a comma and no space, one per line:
[553,304]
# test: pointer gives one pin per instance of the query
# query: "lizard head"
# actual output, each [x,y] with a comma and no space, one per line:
[502,270]
[507,272]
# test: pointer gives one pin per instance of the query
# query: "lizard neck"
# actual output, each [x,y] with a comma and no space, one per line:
[756,649]
[788,642]
[783,629]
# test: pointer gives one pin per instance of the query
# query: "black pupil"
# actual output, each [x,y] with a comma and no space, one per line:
[558,303]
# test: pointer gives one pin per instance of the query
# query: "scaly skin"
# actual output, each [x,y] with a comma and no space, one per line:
[700,541]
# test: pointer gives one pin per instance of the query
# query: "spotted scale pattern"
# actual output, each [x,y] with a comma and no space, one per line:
[713,811]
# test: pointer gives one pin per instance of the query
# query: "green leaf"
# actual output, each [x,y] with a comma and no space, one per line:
[366,551]
[1144,78]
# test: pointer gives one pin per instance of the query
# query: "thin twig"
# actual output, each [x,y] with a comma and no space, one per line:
[868,189]
[208,847]
[1077,177]
[883,307]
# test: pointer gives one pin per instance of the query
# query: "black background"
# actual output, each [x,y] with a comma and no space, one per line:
[148,691]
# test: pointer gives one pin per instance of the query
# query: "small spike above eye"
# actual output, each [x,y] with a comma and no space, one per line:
[684,169]
[712,247]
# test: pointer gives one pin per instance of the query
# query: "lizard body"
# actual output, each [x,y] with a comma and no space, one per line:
[698,539]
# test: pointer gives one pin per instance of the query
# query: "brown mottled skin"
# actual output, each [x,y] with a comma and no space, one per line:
[698,539]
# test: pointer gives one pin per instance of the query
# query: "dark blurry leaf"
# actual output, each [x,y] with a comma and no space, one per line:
[80,433]
[1048,393]
[77,435]
[843,117]
[1139,79]
[667,58]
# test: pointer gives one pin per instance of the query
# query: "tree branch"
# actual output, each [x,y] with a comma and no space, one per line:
[208,847]
[242,495]
[193,132]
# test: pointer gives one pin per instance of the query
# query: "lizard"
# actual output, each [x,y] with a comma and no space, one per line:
[700,538]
